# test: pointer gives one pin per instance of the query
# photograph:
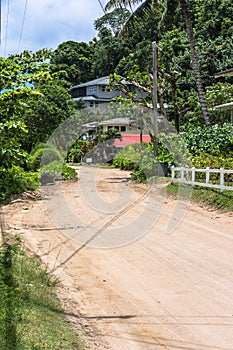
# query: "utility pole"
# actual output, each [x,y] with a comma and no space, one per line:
[155,96]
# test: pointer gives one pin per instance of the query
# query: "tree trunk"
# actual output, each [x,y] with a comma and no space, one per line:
[155,97]
[175,97]
[195,63]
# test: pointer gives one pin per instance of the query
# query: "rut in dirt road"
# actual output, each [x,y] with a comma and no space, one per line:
[105,226]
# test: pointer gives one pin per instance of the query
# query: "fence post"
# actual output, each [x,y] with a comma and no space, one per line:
[182,173]
[221,179]
[193,174]
[207,178]
[173,172]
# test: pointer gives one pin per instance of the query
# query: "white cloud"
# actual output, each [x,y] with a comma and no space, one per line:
[48,23]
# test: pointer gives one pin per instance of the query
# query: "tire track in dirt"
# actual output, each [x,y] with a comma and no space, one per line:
[105,226]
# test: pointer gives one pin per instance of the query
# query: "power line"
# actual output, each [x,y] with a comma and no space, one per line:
[22,27]
[99,1]
[7,22]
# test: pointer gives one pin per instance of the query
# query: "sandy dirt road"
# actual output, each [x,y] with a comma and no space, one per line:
[145,288]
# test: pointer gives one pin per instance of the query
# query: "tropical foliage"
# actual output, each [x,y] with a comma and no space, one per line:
[33,103]
[217,140]
[194,40]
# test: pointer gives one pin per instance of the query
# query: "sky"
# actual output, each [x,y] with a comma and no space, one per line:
[47,23]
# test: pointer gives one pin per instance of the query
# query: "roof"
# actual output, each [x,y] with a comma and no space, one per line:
[91,125]
[116,121]
[99,81]
[224,73]
[129,139]
[92,98]
[228,105]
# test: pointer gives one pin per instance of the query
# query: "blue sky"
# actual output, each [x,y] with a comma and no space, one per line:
[47,23]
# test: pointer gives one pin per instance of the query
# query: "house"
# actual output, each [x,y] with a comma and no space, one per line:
[129,130]
[123,125]
[130,134]
[129,139]
[96,93]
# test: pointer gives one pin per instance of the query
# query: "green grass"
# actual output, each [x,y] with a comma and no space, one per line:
[31,316]
[210,196]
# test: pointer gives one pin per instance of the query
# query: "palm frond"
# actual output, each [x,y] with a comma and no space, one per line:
[141,13]
[111,4]
[143,10]
[163,15]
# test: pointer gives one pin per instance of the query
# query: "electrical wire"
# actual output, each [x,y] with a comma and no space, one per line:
[100,3]
[7,22]
[22,27]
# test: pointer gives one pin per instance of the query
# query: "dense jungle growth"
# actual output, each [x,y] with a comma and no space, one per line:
[194,40]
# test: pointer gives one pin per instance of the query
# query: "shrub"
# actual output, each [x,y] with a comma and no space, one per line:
[205,160]
[131,156]
[172,149]
[138,175]
[78,151]
[43,154]
[138,157]
[59,168]
[15,180]
[215,140]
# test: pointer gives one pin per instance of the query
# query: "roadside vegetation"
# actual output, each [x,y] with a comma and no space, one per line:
[31,316]
[34,87]
[209,196]
[140,160]
[212,147]
[35,101]
[196,147]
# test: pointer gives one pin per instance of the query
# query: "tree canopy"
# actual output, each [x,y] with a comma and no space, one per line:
[194,40]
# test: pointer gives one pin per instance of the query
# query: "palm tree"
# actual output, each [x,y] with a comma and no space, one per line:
[147,5]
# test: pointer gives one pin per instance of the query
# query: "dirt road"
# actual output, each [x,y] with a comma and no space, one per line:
[126,283]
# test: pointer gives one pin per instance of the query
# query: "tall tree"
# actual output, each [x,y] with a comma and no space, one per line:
[19,74]
[113,20]
[46,112]
[147,6]
[108,52]
[72,61]
[195,62]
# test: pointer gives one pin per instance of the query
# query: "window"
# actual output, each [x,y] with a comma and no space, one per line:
[104,88]
[121,128]
[114,127]
[78,92]
[92,89]
[94,104]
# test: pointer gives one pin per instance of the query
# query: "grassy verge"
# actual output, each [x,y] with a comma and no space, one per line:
[96,165]
[31,316]
[210,196]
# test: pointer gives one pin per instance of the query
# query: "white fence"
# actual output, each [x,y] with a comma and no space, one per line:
[188,176]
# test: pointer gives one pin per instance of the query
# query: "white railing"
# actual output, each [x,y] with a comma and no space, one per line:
[188,176]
